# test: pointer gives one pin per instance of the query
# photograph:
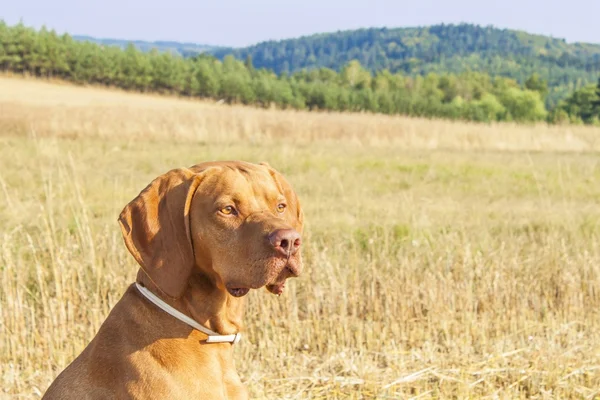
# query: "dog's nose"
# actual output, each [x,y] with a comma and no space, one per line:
[285,241]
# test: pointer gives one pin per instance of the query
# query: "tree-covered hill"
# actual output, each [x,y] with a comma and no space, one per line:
[181,48]
[440,49]
[475,96]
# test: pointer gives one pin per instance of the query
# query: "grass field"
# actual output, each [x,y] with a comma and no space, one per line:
[443,260]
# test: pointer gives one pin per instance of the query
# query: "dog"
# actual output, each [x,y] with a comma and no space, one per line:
[203,237]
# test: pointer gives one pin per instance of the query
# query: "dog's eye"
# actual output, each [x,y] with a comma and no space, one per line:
[228,210]
[281,207]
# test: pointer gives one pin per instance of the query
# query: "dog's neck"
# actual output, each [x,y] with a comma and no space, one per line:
[206,303]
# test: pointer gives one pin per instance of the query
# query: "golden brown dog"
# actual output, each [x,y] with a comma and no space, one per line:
[203,236]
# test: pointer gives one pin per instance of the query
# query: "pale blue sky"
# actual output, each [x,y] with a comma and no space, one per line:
[239,22]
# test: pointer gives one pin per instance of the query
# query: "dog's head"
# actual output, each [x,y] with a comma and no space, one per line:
[238,223]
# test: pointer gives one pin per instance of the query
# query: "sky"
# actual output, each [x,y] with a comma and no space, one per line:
[244,22]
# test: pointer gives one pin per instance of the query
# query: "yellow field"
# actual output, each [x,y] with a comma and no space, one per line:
[443,260]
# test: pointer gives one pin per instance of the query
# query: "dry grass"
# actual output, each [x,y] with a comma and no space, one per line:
[444,260]
[49,110]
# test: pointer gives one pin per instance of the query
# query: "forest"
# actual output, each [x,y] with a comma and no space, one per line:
[466,95]
[440,49]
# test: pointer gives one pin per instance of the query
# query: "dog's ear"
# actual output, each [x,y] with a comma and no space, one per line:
[290,195]
[156,229]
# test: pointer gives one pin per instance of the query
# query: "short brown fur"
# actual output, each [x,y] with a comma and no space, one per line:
[194,257]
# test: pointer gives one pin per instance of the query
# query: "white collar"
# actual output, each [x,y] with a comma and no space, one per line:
[213,337]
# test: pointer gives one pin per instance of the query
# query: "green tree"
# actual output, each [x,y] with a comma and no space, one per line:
[235,88]
[248,64]
[441,49]
[469,95]
[581,105]
[354,75]
[523,105]
[536,84]
[488,109]
[208,79]
[136,69]
[596,101]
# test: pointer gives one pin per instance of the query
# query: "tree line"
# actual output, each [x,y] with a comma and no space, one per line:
[469,95]
[440,49]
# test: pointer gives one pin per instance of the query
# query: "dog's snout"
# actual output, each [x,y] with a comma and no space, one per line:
[285,241]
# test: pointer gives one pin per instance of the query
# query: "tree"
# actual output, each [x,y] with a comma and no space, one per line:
[436,93]
[207,78]
[248,64]
[235,88]
[596,101]
[440,49]
[448,86]
[523,105]
[354,75]
[136,69]
[536,84]
[485,110]
[582,104]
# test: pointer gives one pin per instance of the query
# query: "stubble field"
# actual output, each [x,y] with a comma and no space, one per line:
[442,260]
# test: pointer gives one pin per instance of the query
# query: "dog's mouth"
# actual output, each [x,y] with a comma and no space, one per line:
[274,281]
[276,288]
[238,292]
[278,285]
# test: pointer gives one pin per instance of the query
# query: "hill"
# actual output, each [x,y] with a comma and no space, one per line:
[181,48]
[476,96]
[439,49]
